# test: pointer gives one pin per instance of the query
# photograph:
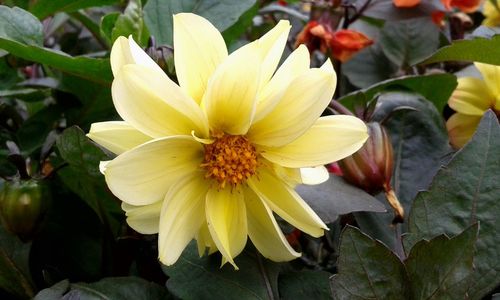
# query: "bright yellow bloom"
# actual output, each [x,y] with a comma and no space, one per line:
[471,99]
[213,157]
[491,13]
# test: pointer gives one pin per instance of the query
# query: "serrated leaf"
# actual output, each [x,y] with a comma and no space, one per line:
[367,270]
[420,142]
[463,193]
[15,276]
[408,42]
[221,13]
[436,88]
[485,50]
[335,197]
[441,268]
[112,288]
[45,8]
[306,284]
[192,277]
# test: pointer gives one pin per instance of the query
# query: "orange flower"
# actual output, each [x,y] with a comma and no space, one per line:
[467,6]
[438,18]
[342,43]
[406,3]
[345,43]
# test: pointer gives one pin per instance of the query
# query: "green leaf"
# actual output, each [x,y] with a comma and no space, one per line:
[420,142]
[21,35]
[131,22]
[192,277]
[20,26]
[35,129]
[367,269]
[45,8]
[454,258]
[306,284]
[407,42]
[485,50]
[336,197]
[15,276]
[107,24]
[82,175]
[386,10]
[221,13]
[463,193]
[436,88]
[112,288]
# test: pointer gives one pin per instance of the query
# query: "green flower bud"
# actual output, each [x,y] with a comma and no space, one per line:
[23,204]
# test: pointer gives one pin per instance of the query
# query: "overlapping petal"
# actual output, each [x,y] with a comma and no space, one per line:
[231,95]
[471,97]
[117,136]
[300,106]
[265,232]
[227,221]
[143,219]
[126,51]
[491,76]
[199,49]
[204,240]
[182,216]
[154,104]
[461,128]
[283,200]
[330,139]
[144,174]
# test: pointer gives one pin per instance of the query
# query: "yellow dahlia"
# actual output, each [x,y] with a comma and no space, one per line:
[491,14]
[212,158]
[471,99]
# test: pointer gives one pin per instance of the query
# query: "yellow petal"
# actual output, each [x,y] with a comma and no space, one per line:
[144,174]
[116,136]
[264,231]
[491,76]
[314,175]
[271,47]
[182,216]
[301,105]
[471,97]
[154,104]
[461,128]
[231,95]
[296,64]
[199,49]
[491,13]
[283,200]
[204,240]
[227,221]
[126,51]
[143,219]
[330,139]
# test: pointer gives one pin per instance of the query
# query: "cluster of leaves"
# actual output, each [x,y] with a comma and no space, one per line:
[55,81]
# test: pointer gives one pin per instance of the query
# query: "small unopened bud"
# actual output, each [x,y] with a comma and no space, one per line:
[371,167]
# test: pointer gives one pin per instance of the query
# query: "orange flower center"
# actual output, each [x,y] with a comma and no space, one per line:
[230,159]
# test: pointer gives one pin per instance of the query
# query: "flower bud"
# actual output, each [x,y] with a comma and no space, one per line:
[23,204]
[371,167]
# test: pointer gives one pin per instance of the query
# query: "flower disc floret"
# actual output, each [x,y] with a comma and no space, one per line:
[230,159]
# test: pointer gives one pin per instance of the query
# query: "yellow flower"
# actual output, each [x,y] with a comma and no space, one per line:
[470,100]
[213,157]
[491,13]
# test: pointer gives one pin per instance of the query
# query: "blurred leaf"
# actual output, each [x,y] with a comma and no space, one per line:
[386,10]
[14,268]
[111,288]
[131,22]
[420,142]
[35,129]
[8,75]
[407,42]
[237,29]
[26,94]
[368,270]
[82,175]
[485,50]
[221,13]
[107,25]
[45,8]
[20,26]
[463,193]
[336,197]
[436,88]
[305,284]
[192,277]
[368,67]
[454,258]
